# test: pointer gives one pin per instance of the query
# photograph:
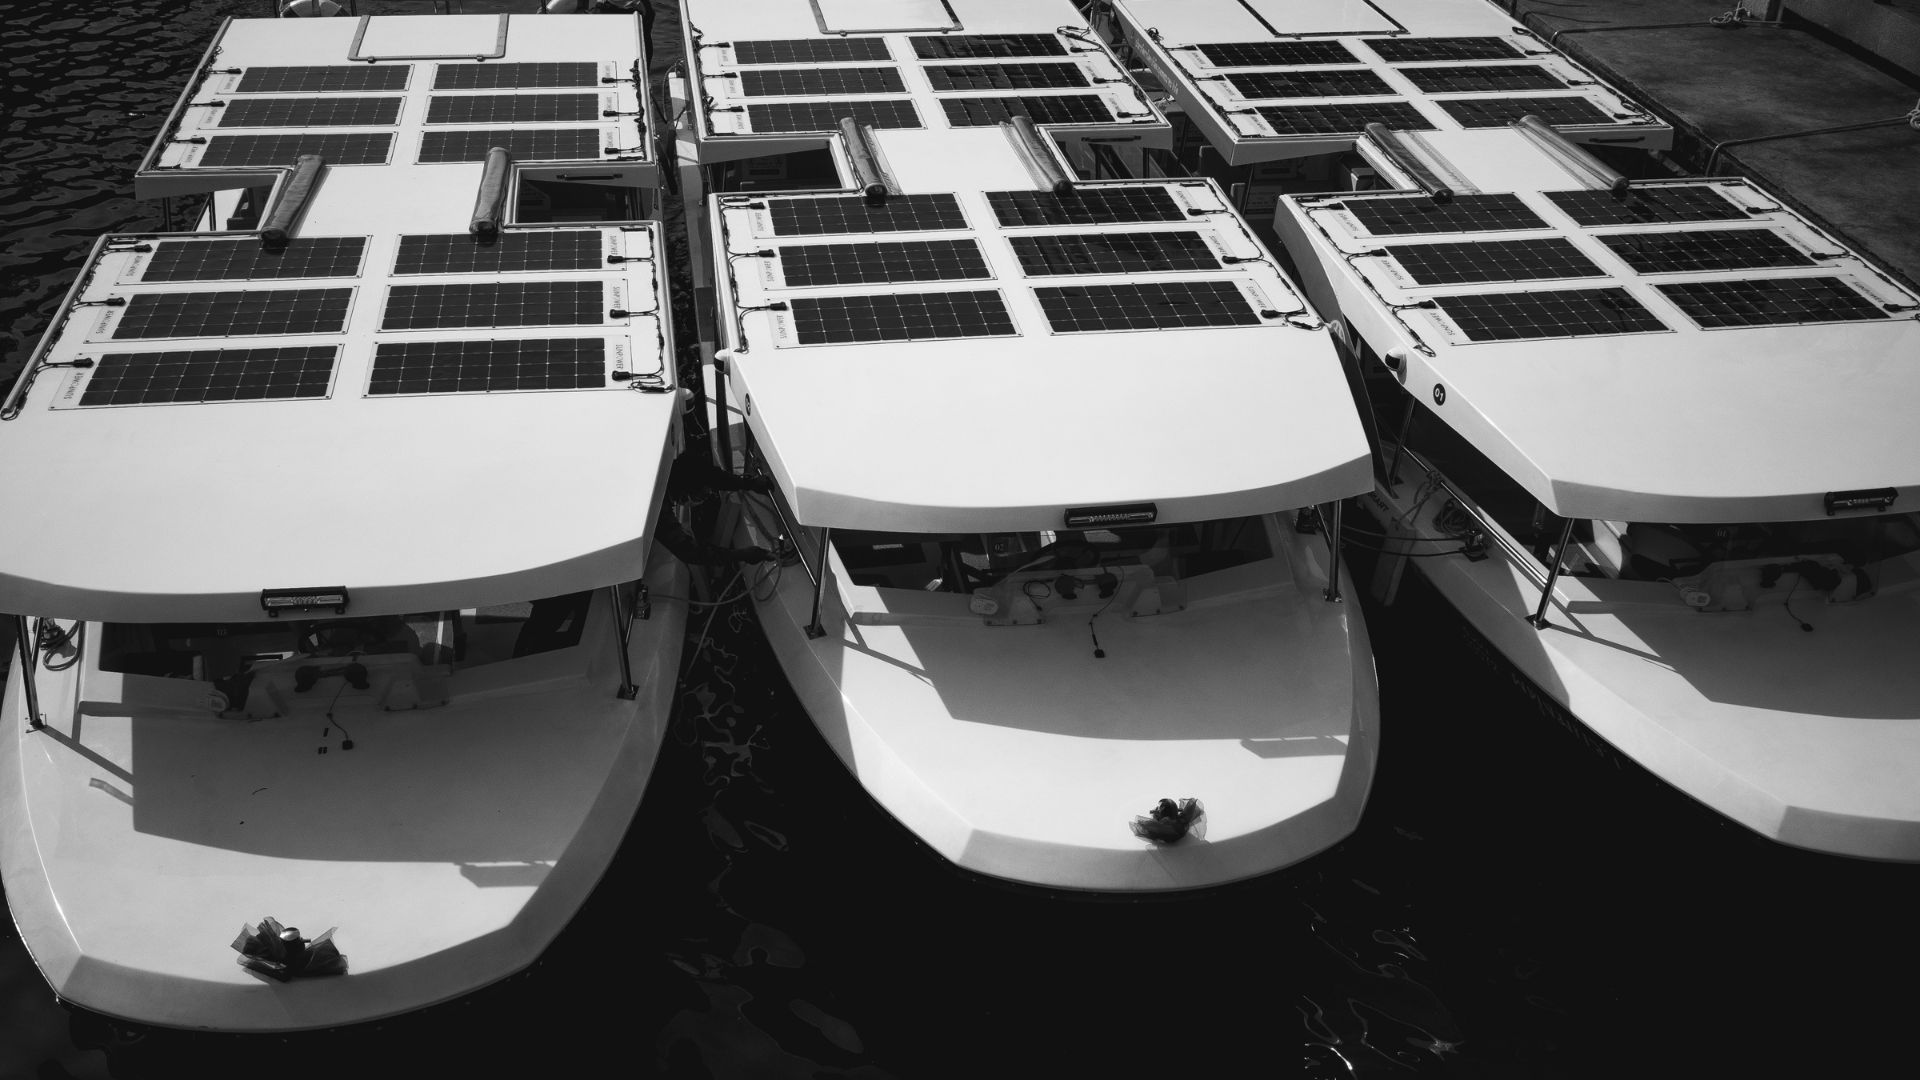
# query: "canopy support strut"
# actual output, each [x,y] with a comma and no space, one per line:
[23,637]
[1539,617]
[1333,554]
[814,629]
[1399,447]
[623,629]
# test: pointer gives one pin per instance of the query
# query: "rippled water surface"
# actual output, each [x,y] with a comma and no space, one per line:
[1516,903]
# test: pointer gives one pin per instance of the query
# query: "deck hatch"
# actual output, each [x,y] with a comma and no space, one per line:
[235,313]
[986,46]
[839,214]
[250,260]
[1337,82]
[1482,78]
[253,151]
[1113,253]
[514,76]
[803,265]
[525,144]
[1158,305]
[1416,50]
[1471,262]
[303,112]
[332,79]
[513,108]
[826,115]
[1566,109]
[481,367]
[1276,53]
[192,376]
[1342,119]
[514,252]
[1770,301]
[932,316]
[1062,109]
[1052,75]
[495,303]
[821,82]
[1466,213]
[1559,313]
[850,50]
[1644,205]
[1084,206]
[1704,249]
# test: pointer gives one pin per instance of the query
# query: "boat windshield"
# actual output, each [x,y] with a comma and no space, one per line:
[963,562]
[1651,552]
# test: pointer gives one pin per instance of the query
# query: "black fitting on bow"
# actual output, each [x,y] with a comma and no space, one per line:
[279,952]
[1169,821]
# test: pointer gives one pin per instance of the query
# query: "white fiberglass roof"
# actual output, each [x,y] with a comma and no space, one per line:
[1270,80]
[1689,351]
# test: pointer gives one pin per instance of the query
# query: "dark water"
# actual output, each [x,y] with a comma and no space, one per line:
[1516,903]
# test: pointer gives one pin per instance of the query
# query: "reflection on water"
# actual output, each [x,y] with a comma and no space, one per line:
[1517,903]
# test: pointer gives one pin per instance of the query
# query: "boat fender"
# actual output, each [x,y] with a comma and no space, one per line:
[294,195]
[279,952]
[1169,821]
[311,9]
[492,198]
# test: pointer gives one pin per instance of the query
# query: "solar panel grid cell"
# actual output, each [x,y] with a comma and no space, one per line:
[984,46]
[469,367]
[1414,50]
[235,313]
[525,144]
[513,108]
[203,375]
[492,76]
[495,303]
[837,214]
[250,151]
[1644,205]
[1276,53]
[1084,206]
[1482,78]
[1557,314]
[1324,83]
[821,82]
[1113,253]
[513,252]
[311,112]
[1565,109]
[1771,302]
[803,265]
[248,260]
[1466,213]
[1061,109]
[851,50]
[1494,260]
[900,317]
[1159,305]
[826,115]
[1043,76]
[1704,249]
[1342,118]
[333,79]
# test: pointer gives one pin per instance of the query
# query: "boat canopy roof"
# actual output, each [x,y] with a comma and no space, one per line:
[1272,80]
[1682,351]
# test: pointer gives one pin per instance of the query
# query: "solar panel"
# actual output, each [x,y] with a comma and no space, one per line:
[1053,75]
[513,108]
[1159,305]
[1494,260]
[237,313]
[311,112]
[200,375]
[1324,83]
[249,260]
[239,151]
[850,50]
[1466,213]
[1643,205]
[1704,249]
[1277,53]
[479,367]
[829,214]
[1064,109]
[1414,50]
[1566,109]
[525,144]
[495,303]
[333,79]
[982,46]
[1084,206]
[1342,119]
[514,252]
[1113,253]
[514,76]
[1482,78]
[1770,301]
[891,261]
[830,320]
[821,82]
[1556,314]
[826,115]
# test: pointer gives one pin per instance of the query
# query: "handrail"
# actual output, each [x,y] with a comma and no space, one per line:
[16,398]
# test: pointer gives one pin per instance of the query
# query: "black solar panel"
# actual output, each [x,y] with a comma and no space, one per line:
[1647,205]
[1494,260]
[1482,78]
[1052,75]
[478,367]
[235,313]
[1557,314]
[333,79]
[237,151]
[982,46]
[495,303]
[1113,253]
[513,252]
[1705,249]
[826,115]
[1415,50]
[1084,206]
[490,76]
[513,108]
[1159,305]
[1342,119]
[900,317]
[1466,213]
[1566,109]
[525,144]
[249,260]
[851,50]
[198,375]
[836,214]
[1277,53]
[1350,82]
[311,112]
[1065,109]
[879,263]
[1770,301]
[821,82]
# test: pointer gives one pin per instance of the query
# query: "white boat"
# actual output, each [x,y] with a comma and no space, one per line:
[340,547]
[1037,439]
[1654,437]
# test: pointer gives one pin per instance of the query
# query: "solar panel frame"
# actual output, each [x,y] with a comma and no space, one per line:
[885,317]
[311,112]
[1417,50]
[515,76]
[1341,118]
[496,366]
[821,82]
[250,260]
[846,50]
[254,151]
[1647,205]
[1549,313]
[882,262]
[1418,215]
[835,215]
[825,116]
[1040,75]
[516,251]
[513,108]
[1469,262]
[1085,206]
[203,376]
[1481,78]
[1726,304]
[1698,250]
[525,144]
[495,305]
[1310,83]
[234,313]
[1041,109]
[324,79]
[1168,251]
[986,46]
[1276,53]
[1145,305]
[1564,110]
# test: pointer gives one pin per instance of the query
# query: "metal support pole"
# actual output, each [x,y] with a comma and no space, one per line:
[723,424]
[28,654]
[1539,617]
[814,629]
[1399,447]
[622,630]
[1333,550]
